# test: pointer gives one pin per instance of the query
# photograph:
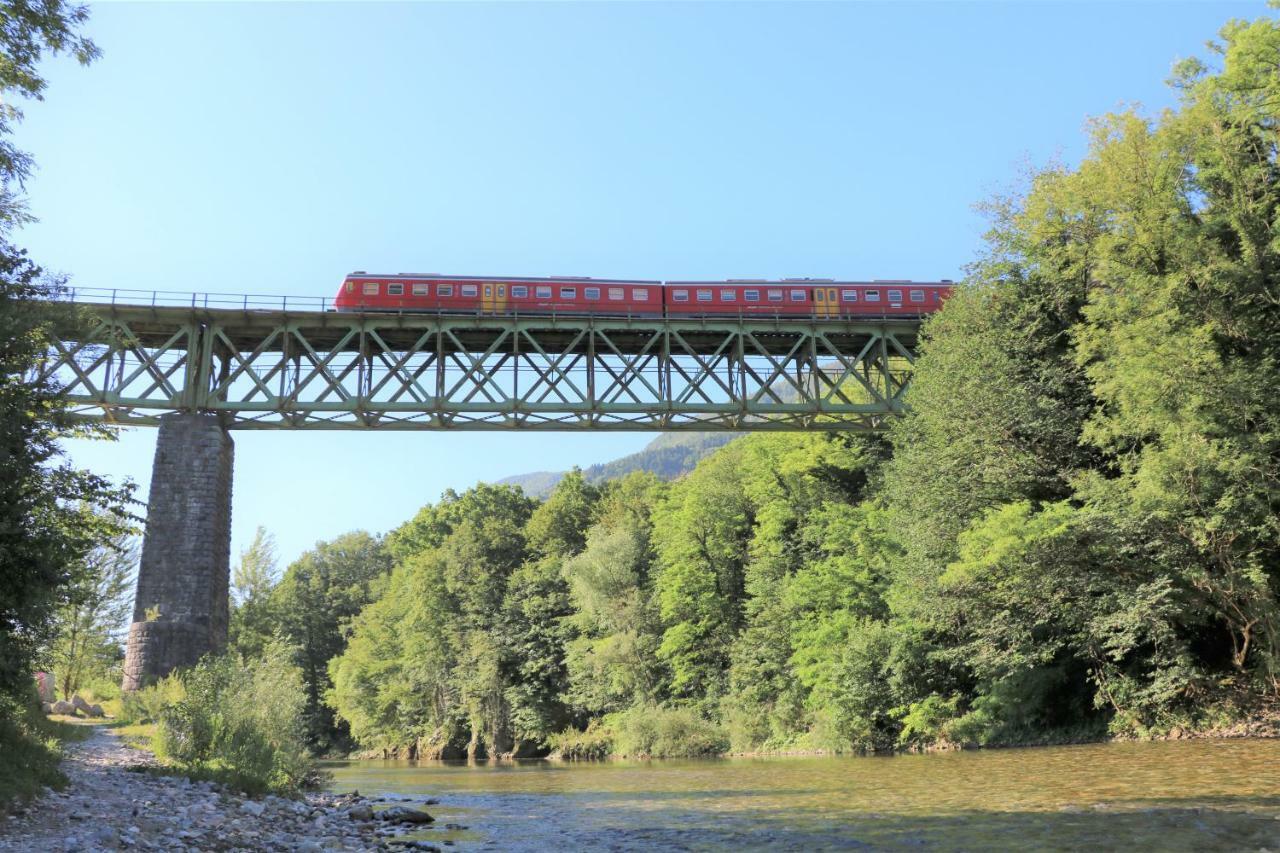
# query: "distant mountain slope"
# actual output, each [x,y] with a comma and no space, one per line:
[668,456]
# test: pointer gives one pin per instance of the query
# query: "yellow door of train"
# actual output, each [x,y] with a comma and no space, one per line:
[825,303]
[494,299]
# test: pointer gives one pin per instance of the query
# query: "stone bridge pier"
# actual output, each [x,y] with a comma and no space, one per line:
[181,609]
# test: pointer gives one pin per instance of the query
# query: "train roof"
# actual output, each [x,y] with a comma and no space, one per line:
[784,282]
[797,282]
[495,278]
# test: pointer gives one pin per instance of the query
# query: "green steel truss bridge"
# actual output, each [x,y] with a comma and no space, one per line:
[290,363]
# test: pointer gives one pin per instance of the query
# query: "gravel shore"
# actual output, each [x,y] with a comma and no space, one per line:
[112,803]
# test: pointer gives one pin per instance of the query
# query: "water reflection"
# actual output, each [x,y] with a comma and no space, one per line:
[1170,796]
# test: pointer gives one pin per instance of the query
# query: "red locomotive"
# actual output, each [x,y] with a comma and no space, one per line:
[793,297]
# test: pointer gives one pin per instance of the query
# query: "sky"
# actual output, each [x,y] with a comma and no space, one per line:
[271,148]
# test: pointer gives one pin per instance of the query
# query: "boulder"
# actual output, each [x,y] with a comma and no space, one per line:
[360,812]
[95,710]
[46,708]
[252,808]
[63,707]
[404,814]
[80,705]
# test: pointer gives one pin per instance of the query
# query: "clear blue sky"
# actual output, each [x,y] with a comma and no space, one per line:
[272,148]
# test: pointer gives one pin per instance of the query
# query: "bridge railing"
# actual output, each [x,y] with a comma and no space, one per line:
[181,299]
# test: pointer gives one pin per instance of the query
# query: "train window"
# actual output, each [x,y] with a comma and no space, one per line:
[775,295]
[395,290]
[640,294]
[895,296]
[849,295]
[679,296]
[917,296]
[817,293]
[617,294]
[797,296]
[704,295]
[591,292]
[469,290]
[542,292]
[568,293]
[519,291]
[873,295]
[421,290]
[444,290]
[751,295]
[728,296]
[351,287]
[370,288]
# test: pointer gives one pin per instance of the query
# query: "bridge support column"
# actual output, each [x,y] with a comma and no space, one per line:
[181,609]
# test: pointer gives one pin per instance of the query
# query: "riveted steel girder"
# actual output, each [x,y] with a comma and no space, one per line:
[330,370]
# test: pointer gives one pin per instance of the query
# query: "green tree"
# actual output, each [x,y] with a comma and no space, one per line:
[99,600]
[320,593]
[254,620]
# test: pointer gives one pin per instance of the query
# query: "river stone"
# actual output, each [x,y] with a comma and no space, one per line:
[404,814]
[252,808]
[360,812]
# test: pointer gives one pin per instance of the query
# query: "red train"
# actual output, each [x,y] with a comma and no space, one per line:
[792,297]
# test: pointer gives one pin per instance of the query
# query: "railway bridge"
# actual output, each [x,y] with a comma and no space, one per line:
[202,366]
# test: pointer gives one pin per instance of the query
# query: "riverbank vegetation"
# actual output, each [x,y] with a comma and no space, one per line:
[1074,532]
[52,515]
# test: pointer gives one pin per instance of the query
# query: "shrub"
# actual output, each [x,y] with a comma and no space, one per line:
[29,749]
[146,705]
[593,744]
[241,724]
[658,732]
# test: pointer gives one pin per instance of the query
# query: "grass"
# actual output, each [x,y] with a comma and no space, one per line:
[136,735]
[30,751]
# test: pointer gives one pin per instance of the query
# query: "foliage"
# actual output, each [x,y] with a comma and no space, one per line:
[90,624]
[1074,529]
[30,749]
[320,593]
[254,616]
[656,732]
[243,725]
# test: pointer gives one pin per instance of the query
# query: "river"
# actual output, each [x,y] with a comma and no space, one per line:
[1183,795]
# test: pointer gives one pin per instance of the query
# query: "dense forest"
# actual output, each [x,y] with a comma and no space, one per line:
[1074,532]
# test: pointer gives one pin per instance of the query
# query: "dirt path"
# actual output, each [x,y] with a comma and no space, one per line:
[111,803]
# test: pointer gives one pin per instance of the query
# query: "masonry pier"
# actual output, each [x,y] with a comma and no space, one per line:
[181,609]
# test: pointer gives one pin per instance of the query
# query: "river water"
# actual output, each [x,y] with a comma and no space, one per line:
[1184,795]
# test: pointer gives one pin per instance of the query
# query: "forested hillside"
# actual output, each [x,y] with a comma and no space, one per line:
[1074,532]
[670,455]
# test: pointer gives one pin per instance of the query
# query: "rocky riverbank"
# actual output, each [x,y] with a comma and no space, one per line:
[113,802]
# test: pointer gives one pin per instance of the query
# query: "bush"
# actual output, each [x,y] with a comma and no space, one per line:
[593,744]
[240,724]
[29,749]
[656,732]
[147,705]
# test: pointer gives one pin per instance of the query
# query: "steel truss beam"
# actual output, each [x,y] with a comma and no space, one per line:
[326,370]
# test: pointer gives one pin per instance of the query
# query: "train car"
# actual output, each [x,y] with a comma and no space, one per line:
[362,291]
[792,297]
[805,297]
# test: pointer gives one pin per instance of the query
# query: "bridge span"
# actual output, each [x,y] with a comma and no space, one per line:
[200,366]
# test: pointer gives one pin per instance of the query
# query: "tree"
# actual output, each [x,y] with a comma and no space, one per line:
[90,623]
[254,620]
[320,593]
